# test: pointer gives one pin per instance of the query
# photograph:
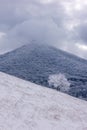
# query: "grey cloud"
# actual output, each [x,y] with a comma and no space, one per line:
[39,30]
[82,33]
[40,22]
[27,20]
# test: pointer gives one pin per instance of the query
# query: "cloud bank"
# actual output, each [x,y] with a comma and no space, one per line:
[61,23]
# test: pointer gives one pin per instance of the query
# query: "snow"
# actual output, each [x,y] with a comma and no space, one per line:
[27,106]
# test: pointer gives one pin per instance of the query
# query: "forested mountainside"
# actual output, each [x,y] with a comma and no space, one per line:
[35,62]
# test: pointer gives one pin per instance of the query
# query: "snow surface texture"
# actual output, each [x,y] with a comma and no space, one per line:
[26,106]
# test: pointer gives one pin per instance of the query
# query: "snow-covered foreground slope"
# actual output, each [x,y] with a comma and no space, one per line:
[26,106]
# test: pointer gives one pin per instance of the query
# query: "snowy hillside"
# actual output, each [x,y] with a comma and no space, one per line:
[26,106]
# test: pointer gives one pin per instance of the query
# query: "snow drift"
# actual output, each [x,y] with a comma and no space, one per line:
[27,106]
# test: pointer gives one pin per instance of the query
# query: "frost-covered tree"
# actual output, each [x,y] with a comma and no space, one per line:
[59,82]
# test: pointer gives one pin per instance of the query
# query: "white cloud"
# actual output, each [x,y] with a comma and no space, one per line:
[2,34]
[82,47]
[46,1]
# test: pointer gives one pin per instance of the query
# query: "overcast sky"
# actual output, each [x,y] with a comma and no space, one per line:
[61,23]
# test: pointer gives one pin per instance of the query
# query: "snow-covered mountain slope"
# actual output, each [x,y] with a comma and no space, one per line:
[35,62]
[27,106]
